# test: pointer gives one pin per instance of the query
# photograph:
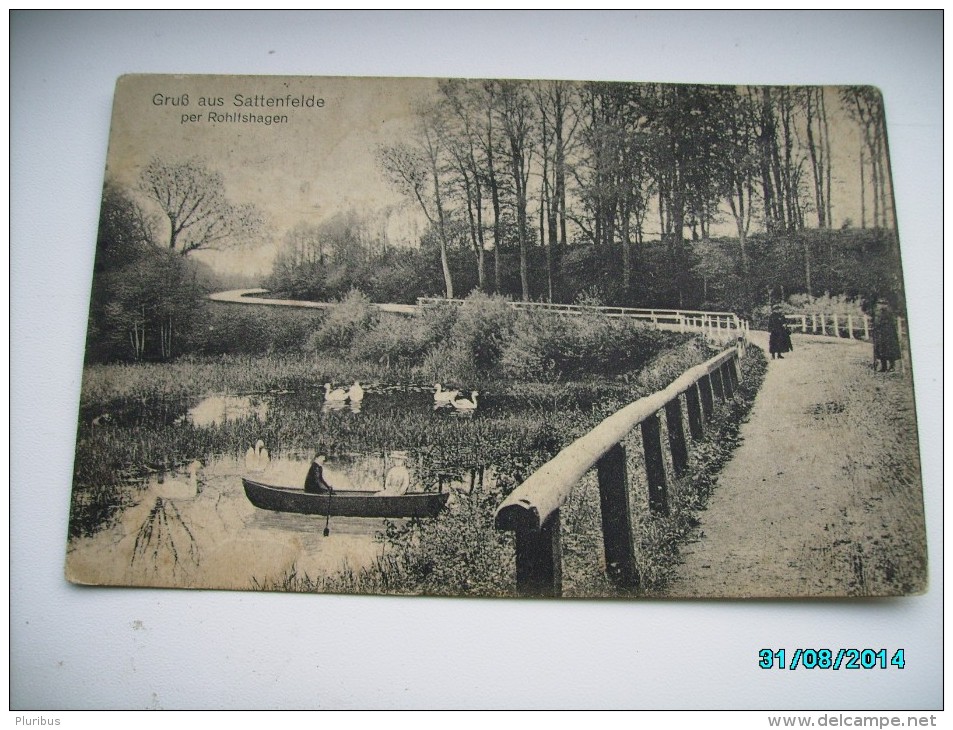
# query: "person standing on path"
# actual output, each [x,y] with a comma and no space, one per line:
[886,338]
[779,340]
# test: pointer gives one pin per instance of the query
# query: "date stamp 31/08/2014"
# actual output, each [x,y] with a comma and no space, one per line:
[831,659]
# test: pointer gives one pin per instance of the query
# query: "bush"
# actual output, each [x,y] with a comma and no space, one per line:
[546,344]
[541,345]
[351,316]
[396,339]
[472,350]
[252,330]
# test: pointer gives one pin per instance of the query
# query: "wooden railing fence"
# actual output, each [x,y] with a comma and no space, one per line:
[831,323]
[532,509]
[723,326]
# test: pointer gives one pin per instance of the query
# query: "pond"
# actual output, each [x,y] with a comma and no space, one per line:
[176,530]
[215,409]
[194,527]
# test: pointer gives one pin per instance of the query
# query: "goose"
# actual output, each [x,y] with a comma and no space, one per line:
[263,457]
[257,457]
[356,392]
[444,396]
[466,405]
[178,488]
[337,395]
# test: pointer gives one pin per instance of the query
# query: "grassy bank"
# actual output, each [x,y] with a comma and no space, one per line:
[462,553]
[546,379]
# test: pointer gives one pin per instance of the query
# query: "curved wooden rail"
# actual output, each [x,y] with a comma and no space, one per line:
[532,509]
[715,325]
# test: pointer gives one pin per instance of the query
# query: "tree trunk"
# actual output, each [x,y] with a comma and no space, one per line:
[626,252]
[863,193]
[495,198]
[807,267]
[441,230]
[816,164]
[826,145]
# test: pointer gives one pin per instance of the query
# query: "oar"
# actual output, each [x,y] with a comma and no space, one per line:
[327,522]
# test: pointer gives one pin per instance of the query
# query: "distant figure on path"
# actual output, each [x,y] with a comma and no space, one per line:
[314,483]
[397,480]
[779,340]
[886,338]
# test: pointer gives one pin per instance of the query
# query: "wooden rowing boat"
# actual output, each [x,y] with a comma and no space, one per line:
[343,503]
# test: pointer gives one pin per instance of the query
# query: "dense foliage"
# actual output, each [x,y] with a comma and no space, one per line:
[857,264]
[483,345]
[149,302]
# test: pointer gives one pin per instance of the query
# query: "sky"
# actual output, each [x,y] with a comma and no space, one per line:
[322,161]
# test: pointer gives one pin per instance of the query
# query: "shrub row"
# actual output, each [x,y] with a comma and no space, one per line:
[487,340]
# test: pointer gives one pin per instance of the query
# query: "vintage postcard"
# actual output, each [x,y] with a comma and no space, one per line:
[497,338]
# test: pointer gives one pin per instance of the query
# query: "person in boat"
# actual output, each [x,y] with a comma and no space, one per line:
[397,480]
[315,483]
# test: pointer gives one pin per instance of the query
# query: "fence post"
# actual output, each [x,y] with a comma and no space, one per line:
[716,384]
[695,421]
[836,325]
[850,325]
[866,327]
[729,386]
[823,325]
[813,323]
[617,518]
[803,323]
[676,436]
[538,559]
[655,465]
[708,403]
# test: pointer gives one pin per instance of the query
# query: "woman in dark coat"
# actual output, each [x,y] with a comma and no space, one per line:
[886,339]
[779,340]
[314,483]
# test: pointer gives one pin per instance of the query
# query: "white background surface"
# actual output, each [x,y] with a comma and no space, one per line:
[75,648]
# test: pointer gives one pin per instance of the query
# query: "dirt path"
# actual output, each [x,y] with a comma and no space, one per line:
[823,496]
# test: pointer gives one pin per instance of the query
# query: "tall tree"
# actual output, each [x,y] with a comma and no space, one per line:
[737,169]
[684,139]
[125,229]
[766,129]
[489,142]
[463,142]
[516,114]
[192,198]
[816,129]
[415,169]
[864,104]
[556,129]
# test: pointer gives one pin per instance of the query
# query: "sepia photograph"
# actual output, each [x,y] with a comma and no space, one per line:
[497,338]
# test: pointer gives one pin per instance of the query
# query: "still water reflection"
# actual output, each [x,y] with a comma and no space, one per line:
[195,527]
[217,409]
